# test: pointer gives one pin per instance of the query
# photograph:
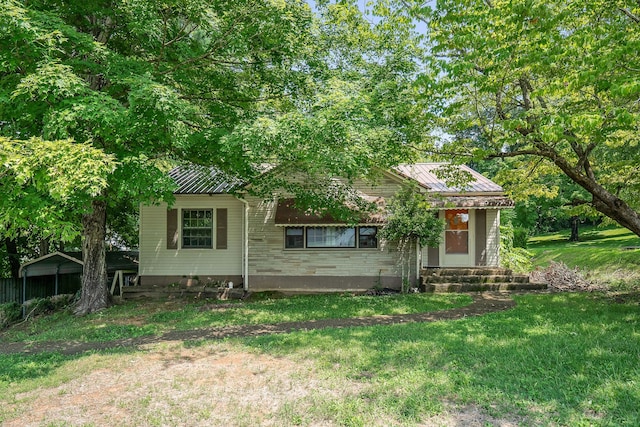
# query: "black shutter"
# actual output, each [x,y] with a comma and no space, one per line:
[221,229]
[172,229]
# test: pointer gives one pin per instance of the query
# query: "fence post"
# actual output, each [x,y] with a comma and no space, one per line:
[24,292]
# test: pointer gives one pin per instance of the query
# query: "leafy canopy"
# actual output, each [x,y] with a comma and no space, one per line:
[235,84]
[554,82]
[43,181]
[411,218]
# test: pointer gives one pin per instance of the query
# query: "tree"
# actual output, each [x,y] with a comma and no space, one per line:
[234,84]
[359,115]
[43,182]
[140,81]
[411,221]
[553,82]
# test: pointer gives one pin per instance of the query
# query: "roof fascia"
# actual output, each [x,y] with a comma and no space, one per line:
[42,258]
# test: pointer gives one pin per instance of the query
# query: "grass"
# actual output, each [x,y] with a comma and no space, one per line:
[601,252]
[134,319]
[556,359]
[565,359]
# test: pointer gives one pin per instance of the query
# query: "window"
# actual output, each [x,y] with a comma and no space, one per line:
[457,231]
[197,228]
[294,237]
[368,237]
[330,237]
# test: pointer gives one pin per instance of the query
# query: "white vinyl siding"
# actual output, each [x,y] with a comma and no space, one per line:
[493,237]
[157,260]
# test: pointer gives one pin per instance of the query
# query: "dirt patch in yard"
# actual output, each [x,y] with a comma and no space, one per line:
[171,385]
[215,385]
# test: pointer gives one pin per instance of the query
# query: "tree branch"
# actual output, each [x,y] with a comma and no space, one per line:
[630,14]
[229,100]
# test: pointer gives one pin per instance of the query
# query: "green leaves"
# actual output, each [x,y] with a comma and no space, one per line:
[51,82]
[410,218]
[44,182]
[62,169]
[550,80]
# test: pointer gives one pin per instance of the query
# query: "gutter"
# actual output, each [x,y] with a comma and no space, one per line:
[418,266]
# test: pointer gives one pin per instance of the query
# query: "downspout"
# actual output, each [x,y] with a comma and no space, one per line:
[245,256]
[418,266]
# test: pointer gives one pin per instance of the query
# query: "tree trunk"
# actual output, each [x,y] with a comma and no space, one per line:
[44,247]
[14,258]
[603,201]
[95,294]
[575,223]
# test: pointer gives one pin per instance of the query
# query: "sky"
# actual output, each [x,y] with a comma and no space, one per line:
[365,5]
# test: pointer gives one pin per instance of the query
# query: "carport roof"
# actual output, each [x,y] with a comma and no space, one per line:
[71,262]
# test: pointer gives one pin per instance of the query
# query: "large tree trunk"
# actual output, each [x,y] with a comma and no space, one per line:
[604,201]
[95,294]
[14,258]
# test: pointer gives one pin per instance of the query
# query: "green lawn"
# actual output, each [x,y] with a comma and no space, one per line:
[556,359]
[134,319]
[603,253]
[564,359]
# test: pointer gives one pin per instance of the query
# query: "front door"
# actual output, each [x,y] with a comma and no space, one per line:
[458,246]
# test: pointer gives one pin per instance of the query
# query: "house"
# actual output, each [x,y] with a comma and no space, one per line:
[211,236]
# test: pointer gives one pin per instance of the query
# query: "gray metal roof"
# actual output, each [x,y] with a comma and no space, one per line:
[425,174]
[71,262]
[193,179]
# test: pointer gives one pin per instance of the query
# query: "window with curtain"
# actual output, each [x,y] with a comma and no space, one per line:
[457,231]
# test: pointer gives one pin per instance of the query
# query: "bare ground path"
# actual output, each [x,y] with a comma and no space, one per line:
[483,303]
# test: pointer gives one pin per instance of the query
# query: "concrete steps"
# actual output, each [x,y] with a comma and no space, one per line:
[482,287]
[475,280]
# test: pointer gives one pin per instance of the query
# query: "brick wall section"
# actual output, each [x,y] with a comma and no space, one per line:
[268,258]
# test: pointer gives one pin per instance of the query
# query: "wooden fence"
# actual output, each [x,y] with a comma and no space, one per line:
[38,287]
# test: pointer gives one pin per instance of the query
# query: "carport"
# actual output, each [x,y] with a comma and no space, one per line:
[59,264]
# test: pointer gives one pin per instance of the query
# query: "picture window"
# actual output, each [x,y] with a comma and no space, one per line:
[331,237]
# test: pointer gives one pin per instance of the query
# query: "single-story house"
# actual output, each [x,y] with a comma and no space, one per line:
[209,235]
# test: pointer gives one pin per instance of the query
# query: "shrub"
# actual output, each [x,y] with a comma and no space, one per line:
[10,313]
[520,237]
[517,259]
[36,306]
